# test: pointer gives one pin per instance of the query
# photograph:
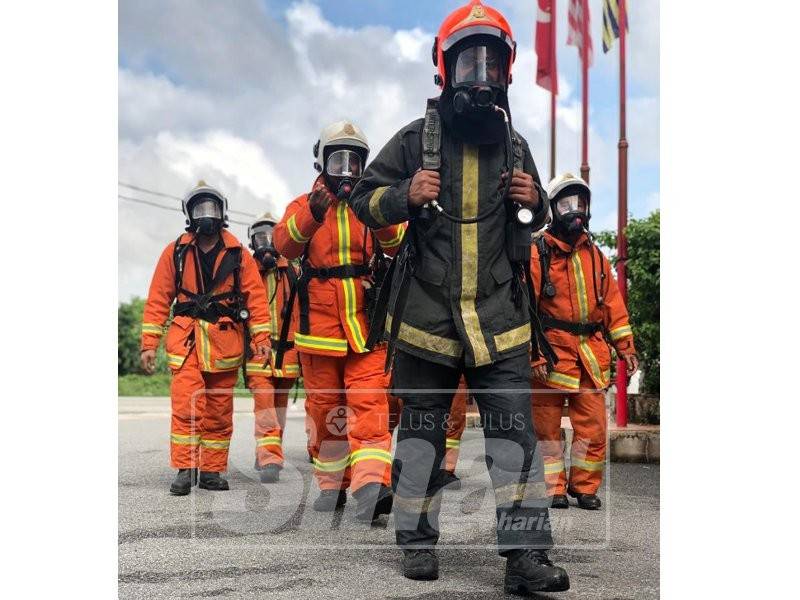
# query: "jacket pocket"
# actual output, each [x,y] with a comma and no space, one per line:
[499,274]
[322,294]
[431,271]
[221,344]
[177,342]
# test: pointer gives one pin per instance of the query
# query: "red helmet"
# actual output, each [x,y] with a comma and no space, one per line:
[471,19]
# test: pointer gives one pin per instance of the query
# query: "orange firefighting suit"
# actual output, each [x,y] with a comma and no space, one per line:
[456,422]
[271,386]
[585,292]
[346,399]
[204,357]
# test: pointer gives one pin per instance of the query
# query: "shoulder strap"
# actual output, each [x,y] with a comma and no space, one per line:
[230,263]
[519,152]
[179,259]
[432,137]
[544,263]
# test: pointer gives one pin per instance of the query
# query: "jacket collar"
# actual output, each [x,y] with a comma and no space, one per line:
[565,247]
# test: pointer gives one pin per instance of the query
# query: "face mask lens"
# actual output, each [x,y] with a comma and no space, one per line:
[262,238]
[344,163]
[206,208]
[478,64]
[571,204]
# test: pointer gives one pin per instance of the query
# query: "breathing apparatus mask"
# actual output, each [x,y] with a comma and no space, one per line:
[477,75]
[263,247]
[205,215]
[570,212]
[343,169]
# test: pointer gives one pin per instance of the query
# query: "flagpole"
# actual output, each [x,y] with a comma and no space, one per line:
[552,91]
[622,215]
[585,93]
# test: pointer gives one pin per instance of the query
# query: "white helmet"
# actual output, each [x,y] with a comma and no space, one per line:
[567,182]
[341,133]
[202,189]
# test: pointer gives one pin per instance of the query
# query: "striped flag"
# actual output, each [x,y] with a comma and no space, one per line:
[578,20]
[611,23]
[546,71]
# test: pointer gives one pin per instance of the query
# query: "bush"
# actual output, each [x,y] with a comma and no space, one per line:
[129,332]
[644,284]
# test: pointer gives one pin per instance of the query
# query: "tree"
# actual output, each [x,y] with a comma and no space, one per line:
[644,283]
[129,331]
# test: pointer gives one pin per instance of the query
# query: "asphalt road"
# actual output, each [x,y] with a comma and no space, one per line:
[259,541]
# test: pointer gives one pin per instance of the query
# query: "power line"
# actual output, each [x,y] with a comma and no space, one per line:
[161,206]
[179,199]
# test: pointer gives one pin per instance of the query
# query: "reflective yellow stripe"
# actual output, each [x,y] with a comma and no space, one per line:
[594,366]
[396,240]
[258,368]
[452,443]
[371,454]
[215,444]
[620,332]
[563,380]
[268,441]
[294,232]
[556,466]
[331,466]
[343,224]
[513,338]
[469,257]
[152,328]
[350,315]
[272,298]
[428,341]
[583,307]
[205,345]
[319,343]
[173,360]
[587,465]
[184,440]
[375,205]
[228,363]
[254,329]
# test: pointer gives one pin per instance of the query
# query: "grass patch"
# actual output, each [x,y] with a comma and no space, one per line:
[158,385]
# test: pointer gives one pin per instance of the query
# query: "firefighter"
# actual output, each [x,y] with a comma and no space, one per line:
[458,300]
[271,386]
[346,400]
[214,290]
[580,308]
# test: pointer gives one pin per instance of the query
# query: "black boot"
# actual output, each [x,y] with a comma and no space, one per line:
[329,500]
[529,571]
[560,501]
[374,499]
[450,480]
[420,564]
[270,474]
[184,480]
[210,480]
[586,501]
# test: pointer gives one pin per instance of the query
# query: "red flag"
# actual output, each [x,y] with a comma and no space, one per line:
[546,71]
[578,20]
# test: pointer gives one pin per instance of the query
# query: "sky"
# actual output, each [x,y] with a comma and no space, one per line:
[237,92]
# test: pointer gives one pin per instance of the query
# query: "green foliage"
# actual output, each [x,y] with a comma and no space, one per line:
[644,281]
[129,332]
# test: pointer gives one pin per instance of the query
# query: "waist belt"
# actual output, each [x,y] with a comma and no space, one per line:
[208,308]
[341,272]
[549,322]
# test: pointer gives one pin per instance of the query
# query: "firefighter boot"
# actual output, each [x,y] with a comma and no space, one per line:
[586,501]
[270,474]
[560,501]
[374,499]
[329,500]
[184,481]
[420,564]
[450,480]
[210,480]
[529,571]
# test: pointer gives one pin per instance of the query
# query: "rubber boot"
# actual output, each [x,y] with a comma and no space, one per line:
[420,564]
[559,501]
[374,500]
[210,480]
[529,571]
[329,500]
[450,480]
[586,501]
[270,474]
[184,480]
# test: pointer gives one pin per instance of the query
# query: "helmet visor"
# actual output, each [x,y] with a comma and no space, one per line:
[344,163]
[206,207]
[262,236]
[571,204]
[479,65]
